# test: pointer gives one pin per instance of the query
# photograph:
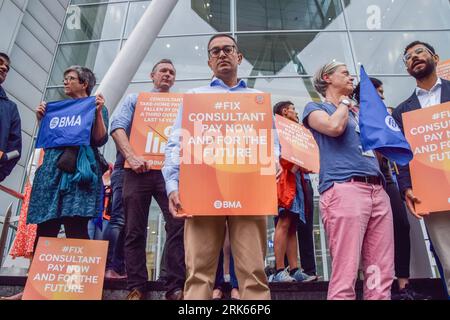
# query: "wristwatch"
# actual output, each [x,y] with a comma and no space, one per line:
[346,102]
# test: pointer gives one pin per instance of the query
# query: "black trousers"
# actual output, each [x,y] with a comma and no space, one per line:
[138,191]
[74,227]
[402,242]
[305,233]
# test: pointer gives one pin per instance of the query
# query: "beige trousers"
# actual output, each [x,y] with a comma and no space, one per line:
[438,227]
[203,240]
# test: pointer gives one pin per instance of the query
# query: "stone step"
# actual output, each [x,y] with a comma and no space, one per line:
[116,289]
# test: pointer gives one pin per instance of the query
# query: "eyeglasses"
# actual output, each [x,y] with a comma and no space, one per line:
[215,52]
[417,51]
[69,79]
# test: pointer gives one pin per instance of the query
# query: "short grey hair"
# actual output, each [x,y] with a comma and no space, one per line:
[320,84]
[85,75]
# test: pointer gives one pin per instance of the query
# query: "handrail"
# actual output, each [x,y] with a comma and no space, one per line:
[12,192]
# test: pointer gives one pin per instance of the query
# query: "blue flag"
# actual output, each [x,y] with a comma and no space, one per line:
[379,131]
[67,123]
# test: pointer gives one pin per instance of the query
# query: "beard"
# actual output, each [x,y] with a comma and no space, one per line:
[430,67]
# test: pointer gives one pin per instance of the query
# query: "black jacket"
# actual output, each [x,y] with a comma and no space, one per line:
[412,103]
[10,133]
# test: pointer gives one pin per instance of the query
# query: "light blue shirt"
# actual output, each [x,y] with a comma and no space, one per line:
[171,169]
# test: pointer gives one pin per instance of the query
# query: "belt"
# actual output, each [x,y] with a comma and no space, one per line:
[367,179]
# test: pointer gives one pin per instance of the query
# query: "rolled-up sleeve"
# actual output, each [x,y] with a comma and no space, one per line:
[123,116]
[171,169]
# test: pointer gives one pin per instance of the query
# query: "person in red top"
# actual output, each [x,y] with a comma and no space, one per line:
[291,203]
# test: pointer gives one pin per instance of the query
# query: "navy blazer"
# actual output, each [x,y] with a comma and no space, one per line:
[10,132]
[412,103]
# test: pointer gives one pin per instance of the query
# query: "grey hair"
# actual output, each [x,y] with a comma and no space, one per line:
[320,84]
[85,75]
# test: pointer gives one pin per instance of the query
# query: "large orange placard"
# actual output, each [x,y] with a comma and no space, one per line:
[153,119]
[67,269]
[443,70]
[227,163]
[297,144]
[428,132]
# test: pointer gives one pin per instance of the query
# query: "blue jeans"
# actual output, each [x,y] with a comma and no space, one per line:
[219,274]
[115,231]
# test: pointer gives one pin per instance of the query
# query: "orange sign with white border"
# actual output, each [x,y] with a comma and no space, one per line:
[297,144]
[153,119]
[427,131]
[443,70]
[227,163]
[67,269]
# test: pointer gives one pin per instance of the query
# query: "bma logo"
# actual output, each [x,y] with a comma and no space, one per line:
[64,122]
[390,122]
[227,204]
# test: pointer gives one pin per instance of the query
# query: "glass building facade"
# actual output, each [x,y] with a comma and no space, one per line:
[283,42]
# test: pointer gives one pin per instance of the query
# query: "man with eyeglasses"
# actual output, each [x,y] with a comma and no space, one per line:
[140,185]
[204,236]
[10,128]
[421,61]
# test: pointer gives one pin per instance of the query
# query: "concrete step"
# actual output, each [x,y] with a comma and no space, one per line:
[116,289]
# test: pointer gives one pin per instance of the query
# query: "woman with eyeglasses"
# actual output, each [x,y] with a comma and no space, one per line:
[50,205]
[355,209]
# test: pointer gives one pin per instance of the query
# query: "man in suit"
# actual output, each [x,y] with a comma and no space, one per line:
[10,128]
[421,60]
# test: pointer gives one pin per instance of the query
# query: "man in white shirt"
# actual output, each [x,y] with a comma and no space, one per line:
[421,60]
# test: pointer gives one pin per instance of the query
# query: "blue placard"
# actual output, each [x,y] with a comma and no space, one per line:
[67,123]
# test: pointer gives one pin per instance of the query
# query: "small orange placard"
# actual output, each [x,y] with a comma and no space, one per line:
[428,133]
[153,119]
[67,269]
[297,144]
[228,163]
[443,70]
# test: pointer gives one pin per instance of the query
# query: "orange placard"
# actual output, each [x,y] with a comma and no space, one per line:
[1,154]
[428,132]
[67,269]
[227,163]
[443,70]
[153,119]
[297,144]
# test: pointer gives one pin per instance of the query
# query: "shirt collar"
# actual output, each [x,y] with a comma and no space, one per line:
[216,82]
[420,91]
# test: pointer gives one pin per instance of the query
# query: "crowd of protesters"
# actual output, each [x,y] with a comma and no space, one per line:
[361,203]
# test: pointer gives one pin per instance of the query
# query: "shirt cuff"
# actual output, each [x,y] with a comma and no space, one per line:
[171,186]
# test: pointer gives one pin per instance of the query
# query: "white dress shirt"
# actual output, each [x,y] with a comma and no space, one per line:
[431,97]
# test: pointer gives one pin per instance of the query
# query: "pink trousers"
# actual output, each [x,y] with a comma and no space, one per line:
[358,222]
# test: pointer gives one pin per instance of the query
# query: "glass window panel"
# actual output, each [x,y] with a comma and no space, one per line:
[292,54]
[398,14]
[94,22]
[381,52]
[256,15]
[94,1]
[98,56]
[55,94]
[397,89]
[298,90]
[189,55]
[188,17]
